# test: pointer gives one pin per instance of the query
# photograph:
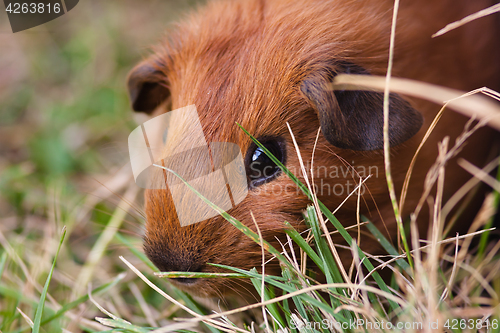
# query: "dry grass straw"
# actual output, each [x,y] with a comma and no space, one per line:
[482,13]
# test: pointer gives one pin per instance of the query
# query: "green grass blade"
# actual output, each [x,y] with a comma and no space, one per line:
[69,306]
[376,276]
[199,275]
[41,303]
[483,241]
[273,308]
[84,298]
[120,323]
[300,308]
[3,260]
[386,244]
[332,273]
[301,242]
[304,297]
[273,280]
[331,270]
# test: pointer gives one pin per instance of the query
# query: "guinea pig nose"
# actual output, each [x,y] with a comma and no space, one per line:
[170,263]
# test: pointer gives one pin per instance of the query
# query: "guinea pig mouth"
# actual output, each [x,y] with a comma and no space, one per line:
[185,281]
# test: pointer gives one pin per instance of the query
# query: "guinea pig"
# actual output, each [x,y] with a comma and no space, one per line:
[263,64]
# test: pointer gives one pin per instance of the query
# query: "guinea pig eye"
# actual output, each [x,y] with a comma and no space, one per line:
[260,168]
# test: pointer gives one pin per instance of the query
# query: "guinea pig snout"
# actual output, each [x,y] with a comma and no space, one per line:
[174,260]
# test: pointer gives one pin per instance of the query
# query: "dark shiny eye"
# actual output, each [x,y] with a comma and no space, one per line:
[260,168]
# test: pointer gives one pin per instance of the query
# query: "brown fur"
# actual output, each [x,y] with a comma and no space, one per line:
[244,61]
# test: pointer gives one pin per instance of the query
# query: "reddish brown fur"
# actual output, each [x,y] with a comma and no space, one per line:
[244,61]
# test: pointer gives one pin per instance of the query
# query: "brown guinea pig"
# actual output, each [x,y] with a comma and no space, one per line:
[263,64]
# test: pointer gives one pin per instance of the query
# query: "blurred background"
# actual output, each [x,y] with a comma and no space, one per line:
[64,123]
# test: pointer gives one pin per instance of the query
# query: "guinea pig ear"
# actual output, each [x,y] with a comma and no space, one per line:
[354,119]
[146,87]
